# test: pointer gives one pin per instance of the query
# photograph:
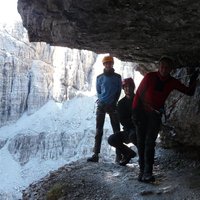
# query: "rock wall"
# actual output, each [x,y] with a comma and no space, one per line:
[73,72]
[181,127]
[26,73]
[43,146]
[30,74]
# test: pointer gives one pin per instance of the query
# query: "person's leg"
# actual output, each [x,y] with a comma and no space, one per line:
[132,137]
[117,140]
[114,120]
[129,136]
[154,121]
[141,144]
[139,119]
[100,118]
[114,141]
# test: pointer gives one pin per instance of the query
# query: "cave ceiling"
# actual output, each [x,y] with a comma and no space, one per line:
[131,30]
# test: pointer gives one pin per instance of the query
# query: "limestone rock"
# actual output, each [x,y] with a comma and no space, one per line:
[33,73]
[136,31]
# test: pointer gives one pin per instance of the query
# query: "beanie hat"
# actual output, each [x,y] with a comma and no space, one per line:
[129,82]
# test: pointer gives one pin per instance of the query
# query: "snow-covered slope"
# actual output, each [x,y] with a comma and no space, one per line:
[57,134]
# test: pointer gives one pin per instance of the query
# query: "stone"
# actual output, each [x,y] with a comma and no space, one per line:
[136,31]
[31,74]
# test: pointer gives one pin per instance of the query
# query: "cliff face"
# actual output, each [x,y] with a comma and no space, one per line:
[73,72]
[33,73]
[18,59]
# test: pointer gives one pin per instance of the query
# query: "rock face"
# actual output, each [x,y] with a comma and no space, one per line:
[73,72]
[43,146]
[183,114]
[139,31]
[17,70]
[33,73]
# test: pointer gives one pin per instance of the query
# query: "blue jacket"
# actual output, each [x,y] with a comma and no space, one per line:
[108,88]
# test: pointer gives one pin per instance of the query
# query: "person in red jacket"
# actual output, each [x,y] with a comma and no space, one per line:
[147,106]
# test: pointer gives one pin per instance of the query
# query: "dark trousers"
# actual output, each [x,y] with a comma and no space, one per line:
[100,119]
[118,139]
[147,128]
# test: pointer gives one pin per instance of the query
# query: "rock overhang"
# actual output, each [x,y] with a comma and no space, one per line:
[135,31]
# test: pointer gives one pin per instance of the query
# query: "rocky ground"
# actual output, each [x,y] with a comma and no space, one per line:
[177,178]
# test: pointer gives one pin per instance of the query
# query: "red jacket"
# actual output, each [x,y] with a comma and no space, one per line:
[154,90]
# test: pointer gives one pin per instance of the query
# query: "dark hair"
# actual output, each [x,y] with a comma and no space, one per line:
[167,60]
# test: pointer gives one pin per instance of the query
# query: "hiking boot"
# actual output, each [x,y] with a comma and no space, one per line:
[94,158]
[126,159]
[140,176]
[148,178]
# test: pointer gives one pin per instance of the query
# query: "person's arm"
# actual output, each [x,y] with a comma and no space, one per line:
[119,89]
[98,87]
[190,90]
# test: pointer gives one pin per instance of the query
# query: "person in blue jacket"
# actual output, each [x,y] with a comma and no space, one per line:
[108,87]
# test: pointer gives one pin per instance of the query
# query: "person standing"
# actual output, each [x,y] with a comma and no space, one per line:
[147,105]
[128,135]
[108,87]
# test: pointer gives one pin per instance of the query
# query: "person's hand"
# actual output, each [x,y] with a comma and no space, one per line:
[110,108]
[100,104]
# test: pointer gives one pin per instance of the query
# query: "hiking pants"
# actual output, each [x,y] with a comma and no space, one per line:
[100,119]
[118,139]
[147,128]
